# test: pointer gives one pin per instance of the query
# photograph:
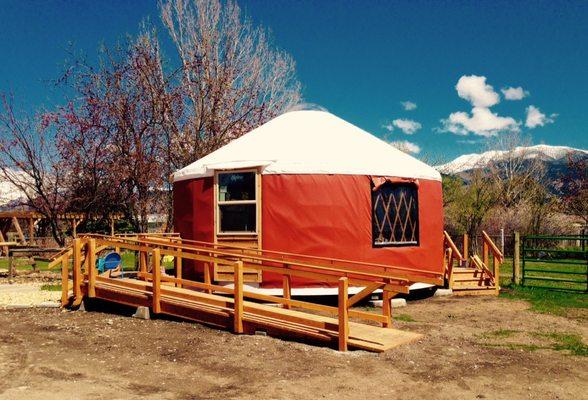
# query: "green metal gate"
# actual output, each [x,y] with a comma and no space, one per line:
[555,262]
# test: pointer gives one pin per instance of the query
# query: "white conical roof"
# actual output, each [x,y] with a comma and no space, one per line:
[310,142]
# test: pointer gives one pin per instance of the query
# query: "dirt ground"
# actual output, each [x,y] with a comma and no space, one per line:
[490,348]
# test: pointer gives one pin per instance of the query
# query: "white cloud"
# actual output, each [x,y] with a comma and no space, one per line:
[536,118]
[408,126]
[474,89]
[512,93]
[408,105]
[388,126]
[481,121]
[406,146]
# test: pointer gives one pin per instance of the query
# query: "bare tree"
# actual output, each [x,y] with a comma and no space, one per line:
[30,162]
[514,169]
[232,79]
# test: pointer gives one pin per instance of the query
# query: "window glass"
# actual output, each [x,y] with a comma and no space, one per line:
[395,215]
[237,217]
[236,186]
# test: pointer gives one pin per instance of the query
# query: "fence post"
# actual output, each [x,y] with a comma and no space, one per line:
[238,298]
[466,246]
[156,274]
[502,240]
[91,263]
[343,313]
[516,257]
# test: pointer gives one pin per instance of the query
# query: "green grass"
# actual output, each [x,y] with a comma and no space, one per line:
[500,333]
[547,301]
[566,342]
[557,341]
[51,287]
[403,318]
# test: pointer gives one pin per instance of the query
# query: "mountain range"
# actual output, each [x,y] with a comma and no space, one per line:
[555,160]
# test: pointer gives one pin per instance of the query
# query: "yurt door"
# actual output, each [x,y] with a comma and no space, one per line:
[237,217]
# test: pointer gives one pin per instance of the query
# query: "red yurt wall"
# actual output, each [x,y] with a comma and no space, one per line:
[319,215]
[331,216]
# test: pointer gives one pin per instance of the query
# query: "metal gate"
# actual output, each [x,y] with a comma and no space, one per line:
[555,262]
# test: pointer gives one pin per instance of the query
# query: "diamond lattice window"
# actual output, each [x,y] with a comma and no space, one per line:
[395,215]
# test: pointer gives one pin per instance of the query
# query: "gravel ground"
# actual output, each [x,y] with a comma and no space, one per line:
[26,294]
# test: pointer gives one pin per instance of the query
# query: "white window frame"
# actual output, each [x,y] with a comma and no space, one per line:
[219,203]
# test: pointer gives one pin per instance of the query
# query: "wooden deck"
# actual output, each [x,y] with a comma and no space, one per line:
[216,310]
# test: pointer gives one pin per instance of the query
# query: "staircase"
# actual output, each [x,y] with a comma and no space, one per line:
[474,276]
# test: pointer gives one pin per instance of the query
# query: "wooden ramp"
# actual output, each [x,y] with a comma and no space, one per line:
[234,307]
[216,310]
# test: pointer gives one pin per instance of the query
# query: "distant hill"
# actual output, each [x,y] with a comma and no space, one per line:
[554,158]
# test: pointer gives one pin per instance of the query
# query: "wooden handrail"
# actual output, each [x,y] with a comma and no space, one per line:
[452,245]
[493,247]
[338,270]
[305,256]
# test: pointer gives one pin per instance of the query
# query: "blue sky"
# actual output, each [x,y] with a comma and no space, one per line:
[361,59]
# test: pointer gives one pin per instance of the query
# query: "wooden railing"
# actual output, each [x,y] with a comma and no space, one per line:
[150,250]
[488,246]
[451,255]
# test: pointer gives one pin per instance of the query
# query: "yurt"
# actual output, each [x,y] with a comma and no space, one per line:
[308,182]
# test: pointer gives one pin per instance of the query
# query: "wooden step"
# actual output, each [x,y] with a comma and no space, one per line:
[471,284]
[486,291]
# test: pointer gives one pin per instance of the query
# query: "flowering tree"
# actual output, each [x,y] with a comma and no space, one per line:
[130,121]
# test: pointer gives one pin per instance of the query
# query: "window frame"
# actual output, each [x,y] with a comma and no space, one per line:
[218,203]
[415,243]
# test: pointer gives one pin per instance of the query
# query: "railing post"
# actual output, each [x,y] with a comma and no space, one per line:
[343,313]
[238,298]
[207,277]
[178,264]
[64,280]
[91,264]
[387,308]
[156,274]
[287,289]
[516,264]
[484,251]
[466,246]
[77,270]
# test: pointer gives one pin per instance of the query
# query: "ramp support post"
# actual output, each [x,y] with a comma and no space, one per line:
[156,254]
[287,289]
[343,313]
[178,264]
[238,298]
[91,257]
[64,280]
[77,271]
[387,308]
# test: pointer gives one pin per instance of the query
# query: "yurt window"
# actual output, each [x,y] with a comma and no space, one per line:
[395,215]
[237,203]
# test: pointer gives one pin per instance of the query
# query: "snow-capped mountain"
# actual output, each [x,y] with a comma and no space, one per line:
[546,153]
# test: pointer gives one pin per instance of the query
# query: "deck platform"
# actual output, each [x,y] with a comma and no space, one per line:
[218,311]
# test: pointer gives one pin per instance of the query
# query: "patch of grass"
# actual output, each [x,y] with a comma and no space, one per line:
[517,346]
[566,342]
[500,333]
[403,318]
[547,301]
[51,287]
